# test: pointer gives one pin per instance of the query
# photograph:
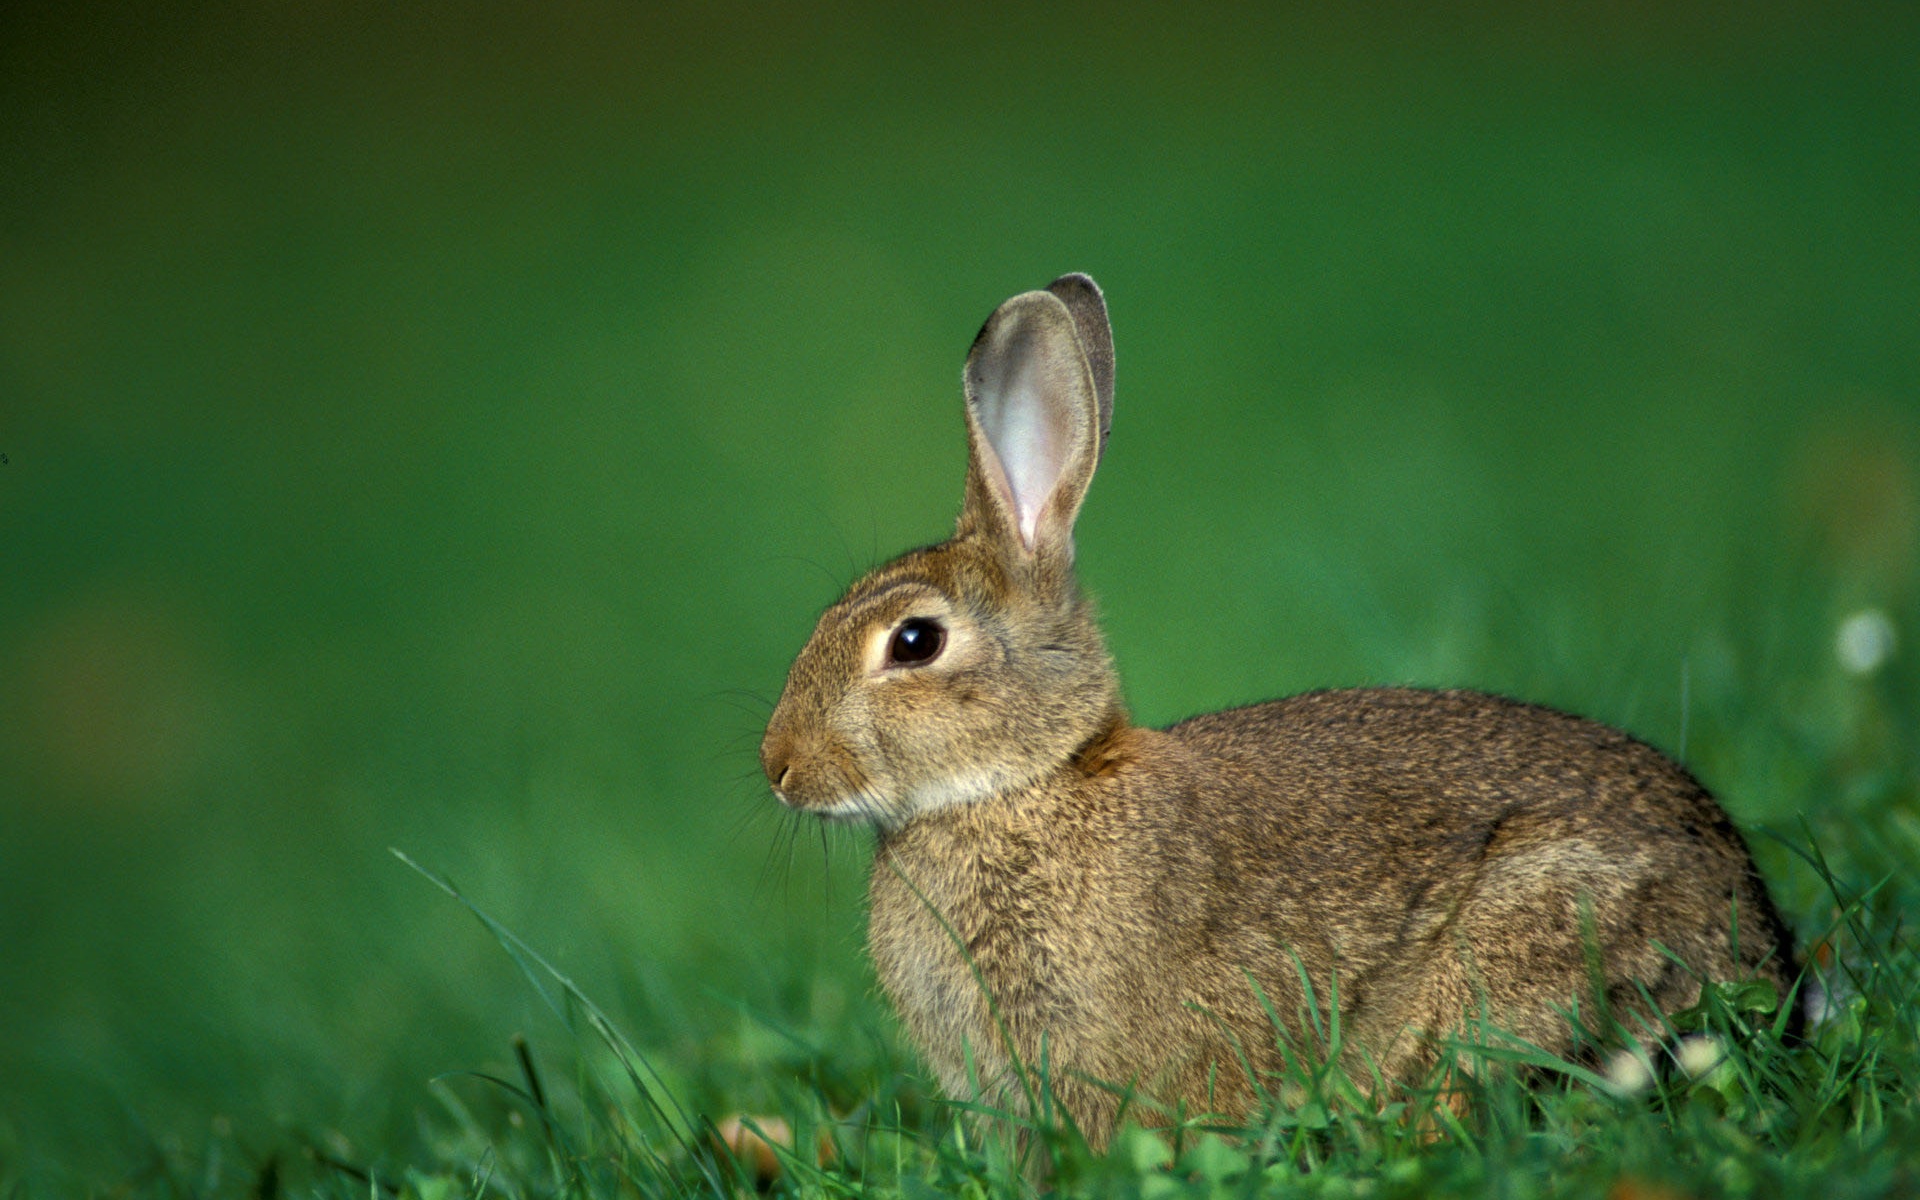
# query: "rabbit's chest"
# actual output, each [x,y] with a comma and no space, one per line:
[947,932]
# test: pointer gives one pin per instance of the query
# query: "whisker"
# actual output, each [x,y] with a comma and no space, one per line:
[740,693]
[748,737]
[785,835]
[837,583]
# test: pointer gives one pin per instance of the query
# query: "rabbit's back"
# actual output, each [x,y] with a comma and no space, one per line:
[1436,782]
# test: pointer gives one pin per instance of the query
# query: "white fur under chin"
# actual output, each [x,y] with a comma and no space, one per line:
[967,788]
[958,789]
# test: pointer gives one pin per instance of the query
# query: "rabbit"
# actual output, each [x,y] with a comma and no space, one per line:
[1135,907]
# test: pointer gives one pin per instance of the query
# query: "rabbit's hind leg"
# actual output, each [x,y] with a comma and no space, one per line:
[1523,951]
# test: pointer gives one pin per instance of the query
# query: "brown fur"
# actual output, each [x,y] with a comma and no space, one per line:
[1119,891]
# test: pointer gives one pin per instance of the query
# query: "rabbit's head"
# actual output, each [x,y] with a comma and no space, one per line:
[969,668]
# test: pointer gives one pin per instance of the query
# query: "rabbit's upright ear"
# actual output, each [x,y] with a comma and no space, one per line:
[1082,297]
[1033,423]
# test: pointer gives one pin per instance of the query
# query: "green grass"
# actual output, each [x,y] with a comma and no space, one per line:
[604,1111]
[437,426]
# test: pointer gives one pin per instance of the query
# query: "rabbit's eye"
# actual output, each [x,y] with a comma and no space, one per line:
[917,641]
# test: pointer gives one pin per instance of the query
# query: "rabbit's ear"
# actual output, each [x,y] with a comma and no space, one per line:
[1082,297]
[1033,424]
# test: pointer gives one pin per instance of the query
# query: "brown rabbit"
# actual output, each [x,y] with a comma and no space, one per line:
[1119,892]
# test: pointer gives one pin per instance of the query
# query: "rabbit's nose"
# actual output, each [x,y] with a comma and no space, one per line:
[776,757]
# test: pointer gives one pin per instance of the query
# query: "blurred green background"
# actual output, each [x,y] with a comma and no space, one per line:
[438,425]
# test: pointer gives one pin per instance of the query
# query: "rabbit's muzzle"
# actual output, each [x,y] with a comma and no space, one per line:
[810,774]
[776,759]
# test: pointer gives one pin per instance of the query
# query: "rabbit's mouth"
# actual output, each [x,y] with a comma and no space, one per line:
[862,807]
[830,791]
[871,805]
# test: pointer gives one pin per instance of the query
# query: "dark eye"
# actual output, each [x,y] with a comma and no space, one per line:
[917,641]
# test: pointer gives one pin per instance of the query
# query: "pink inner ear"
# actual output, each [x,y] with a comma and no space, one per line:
[1033,405]
[1026,435]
